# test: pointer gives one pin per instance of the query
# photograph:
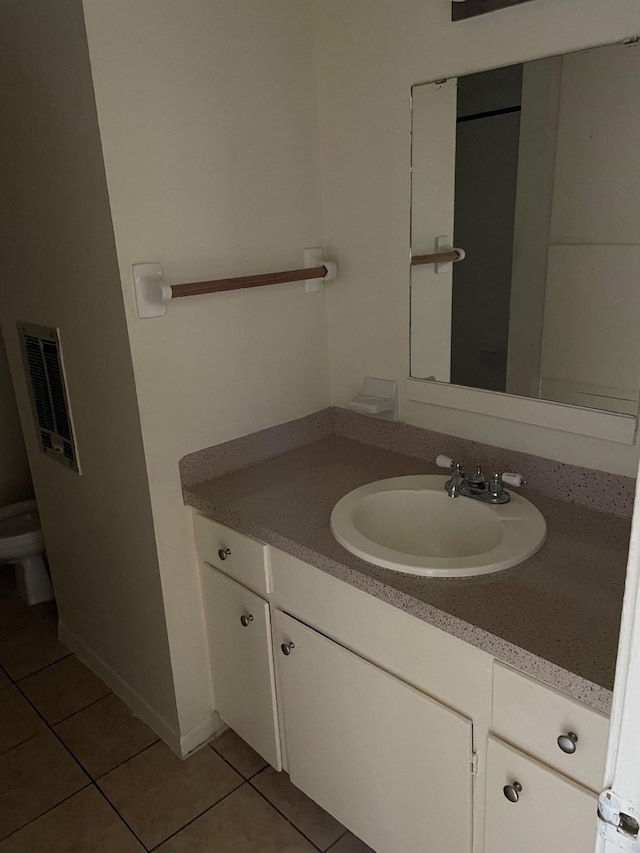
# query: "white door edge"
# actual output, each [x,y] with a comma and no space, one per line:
[622,769]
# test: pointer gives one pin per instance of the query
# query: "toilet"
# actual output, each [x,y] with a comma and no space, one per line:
[22,544]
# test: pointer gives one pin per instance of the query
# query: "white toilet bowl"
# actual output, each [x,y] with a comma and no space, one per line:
[22,543]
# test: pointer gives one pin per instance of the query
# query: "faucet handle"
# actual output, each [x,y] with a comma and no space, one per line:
[477,478]
[496,488]
[516,480]
[445,462]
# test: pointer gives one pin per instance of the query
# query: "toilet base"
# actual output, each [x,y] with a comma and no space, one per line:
[33,581]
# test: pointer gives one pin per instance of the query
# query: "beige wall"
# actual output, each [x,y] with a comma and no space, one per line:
[209,132]
[370,52]
[208,120]
[15,477]
[60,269]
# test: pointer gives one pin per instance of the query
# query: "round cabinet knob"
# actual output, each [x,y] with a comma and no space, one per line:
[246,619]
[512,792]
[568,742]
[223,553]
[287,648]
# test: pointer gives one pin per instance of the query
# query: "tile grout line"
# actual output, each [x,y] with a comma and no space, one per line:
[36,671]
[29,627]
[49,725]
[29,624]
[21,743]
[16,684]
[248,781]
[73,713]
[91,783]
[233,767]
[102,794]
[80,710]
[98,779]
[93,779]
[46,811]
[338,840]
[288,819]
[53,732]
[198,816]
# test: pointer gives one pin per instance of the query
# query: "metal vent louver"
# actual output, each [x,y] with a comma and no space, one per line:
[47,388]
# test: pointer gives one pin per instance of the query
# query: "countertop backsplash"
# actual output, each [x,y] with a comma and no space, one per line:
[598,490]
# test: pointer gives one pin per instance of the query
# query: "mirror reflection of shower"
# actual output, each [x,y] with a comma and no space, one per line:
[531,170]
[487,138]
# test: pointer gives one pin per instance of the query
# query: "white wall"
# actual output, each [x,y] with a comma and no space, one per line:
[15,477]
[370,52]
[59,268]
[208,119]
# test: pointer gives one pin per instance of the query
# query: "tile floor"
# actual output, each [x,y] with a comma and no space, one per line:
[80,774]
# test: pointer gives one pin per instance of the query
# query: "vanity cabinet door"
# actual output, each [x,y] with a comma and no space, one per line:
[241,652]
[390,763]
[552,814]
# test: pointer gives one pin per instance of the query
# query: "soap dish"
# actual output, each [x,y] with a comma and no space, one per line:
[378,399]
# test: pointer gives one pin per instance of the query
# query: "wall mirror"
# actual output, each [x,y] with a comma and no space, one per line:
[532,170]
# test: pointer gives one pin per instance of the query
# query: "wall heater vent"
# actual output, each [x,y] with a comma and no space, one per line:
[47,387]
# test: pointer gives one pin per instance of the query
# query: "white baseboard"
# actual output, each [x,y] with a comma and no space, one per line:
[201,734]
[181,744]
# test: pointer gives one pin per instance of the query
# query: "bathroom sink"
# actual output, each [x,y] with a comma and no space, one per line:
[410,524]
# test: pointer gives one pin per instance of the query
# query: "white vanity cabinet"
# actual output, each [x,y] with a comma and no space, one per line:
[531,808]
[412,738]
[386,760]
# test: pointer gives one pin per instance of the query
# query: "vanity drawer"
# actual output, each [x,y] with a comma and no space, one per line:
[239,556]
[533,716]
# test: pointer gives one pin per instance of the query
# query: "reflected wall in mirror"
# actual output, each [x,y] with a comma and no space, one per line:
[533,170]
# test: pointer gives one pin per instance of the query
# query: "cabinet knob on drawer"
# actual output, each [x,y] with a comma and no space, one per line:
[512,792]
[287,648]
[223,553]
[246,619]
[567,743]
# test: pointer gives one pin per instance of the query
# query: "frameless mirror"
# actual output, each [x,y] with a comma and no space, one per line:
[531,170]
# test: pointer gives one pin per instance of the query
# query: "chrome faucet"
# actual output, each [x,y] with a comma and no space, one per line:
[456,482]
[476,486]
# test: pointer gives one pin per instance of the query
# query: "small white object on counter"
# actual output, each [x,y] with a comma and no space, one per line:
[379,399]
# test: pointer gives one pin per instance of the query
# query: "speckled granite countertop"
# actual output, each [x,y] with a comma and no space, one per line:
[555,616]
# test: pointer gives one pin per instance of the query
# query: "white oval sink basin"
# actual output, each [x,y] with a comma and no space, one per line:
[410,524]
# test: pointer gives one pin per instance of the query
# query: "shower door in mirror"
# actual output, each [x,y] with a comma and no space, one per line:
[532,171]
